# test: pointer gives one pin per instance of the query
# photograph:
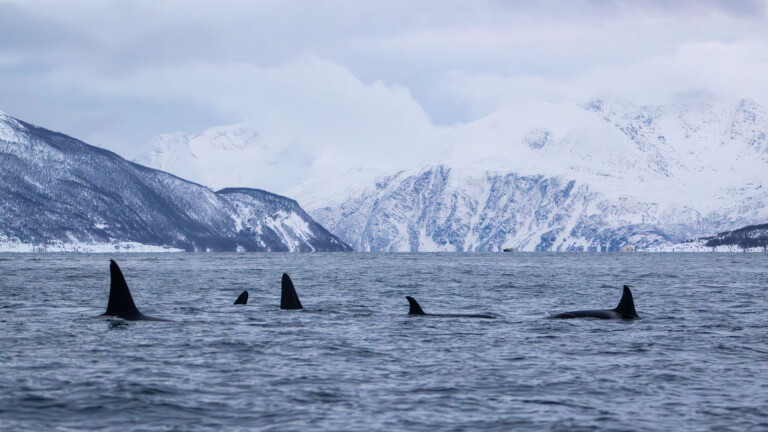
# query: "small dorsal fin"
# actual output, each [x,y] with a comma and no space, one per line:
[289,299]
[415,308]
[242,298]
[626,305]
[120,301]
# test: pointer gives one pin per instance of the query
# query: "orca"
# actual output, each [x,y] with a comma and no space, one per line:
[242,298]
[120,302]
[289,299]
[625,310]
[417,310]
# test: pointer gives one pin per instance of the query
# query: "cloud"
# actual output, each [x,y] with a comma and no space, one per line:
[356,81]
[728,71]
[313,102]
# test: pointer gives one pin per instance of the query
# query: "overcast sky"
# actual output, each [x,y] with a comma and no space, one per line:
[361,73]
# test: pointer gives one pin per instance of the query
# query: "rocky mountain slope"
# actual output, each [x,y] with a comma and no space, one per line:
[749,237]
[57,189]
[617,177]
[603,175]
[444,209]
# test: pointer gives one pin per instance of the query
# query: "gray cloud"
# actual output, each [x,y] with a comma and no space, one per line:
[346,75]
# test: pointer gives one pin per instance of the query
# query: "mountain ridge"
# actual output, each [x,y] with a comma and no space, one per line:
[58,189]
[656,173]
[748,237]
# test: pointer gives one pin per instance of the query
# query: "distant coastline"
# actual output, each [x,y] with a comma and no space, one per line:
[133,247]
[118,247]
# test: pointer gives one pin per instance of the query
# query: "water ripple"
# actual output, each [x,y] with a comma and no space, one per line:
[353,360]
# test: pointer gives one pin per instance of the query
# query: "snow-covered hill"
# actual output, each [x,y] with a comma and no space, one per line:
[753,238]
[546,176]
[57,191]
[565,177]
[446,209]
[226,156]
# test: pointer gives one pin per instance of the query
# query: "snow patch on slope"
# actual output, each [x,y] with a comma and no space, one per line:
[10,129]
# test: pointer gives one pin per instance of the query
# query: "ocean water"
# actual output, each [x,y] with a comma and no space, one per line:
[353,360]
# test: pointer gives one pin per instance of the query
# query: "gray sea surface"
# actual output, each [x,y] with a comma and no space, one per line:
[353,360]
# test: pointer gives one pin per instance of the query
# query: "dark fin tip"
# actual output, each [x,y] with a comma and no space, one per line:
[415,307]
[288,298]
[626,305]
[120,301]
[242,298]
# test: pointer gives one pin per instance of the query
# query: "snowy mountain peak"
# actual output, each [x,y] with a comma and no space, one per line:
[232,138]
[601,176]
[166,151]
[222,156]
[10,129]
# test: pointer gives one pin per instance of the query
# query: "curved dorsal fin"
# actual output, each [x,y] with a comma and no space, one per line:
[289,299]
[626,305]
[242,298]
[120,301]
[415,308]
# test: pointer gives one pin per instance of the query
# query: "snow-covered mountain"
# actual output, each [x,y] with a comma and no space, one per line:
[565,177]
[57,190]
[226,156]
[602,175]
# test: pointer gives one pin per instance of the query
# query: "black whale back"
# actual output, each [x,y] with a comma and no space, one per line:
[625,310]
[415,309]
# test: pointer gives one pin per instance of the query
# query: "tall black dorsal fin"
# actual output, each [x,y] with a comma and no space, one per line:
[289,299]
[120,301]
[242,298]
[415,308]
[626,305]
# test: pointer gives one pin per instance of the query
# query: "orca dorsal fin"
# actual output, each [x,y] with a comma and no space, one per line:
[242,298]
[626,305]
[415,308]
[289,299]
[120,301]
